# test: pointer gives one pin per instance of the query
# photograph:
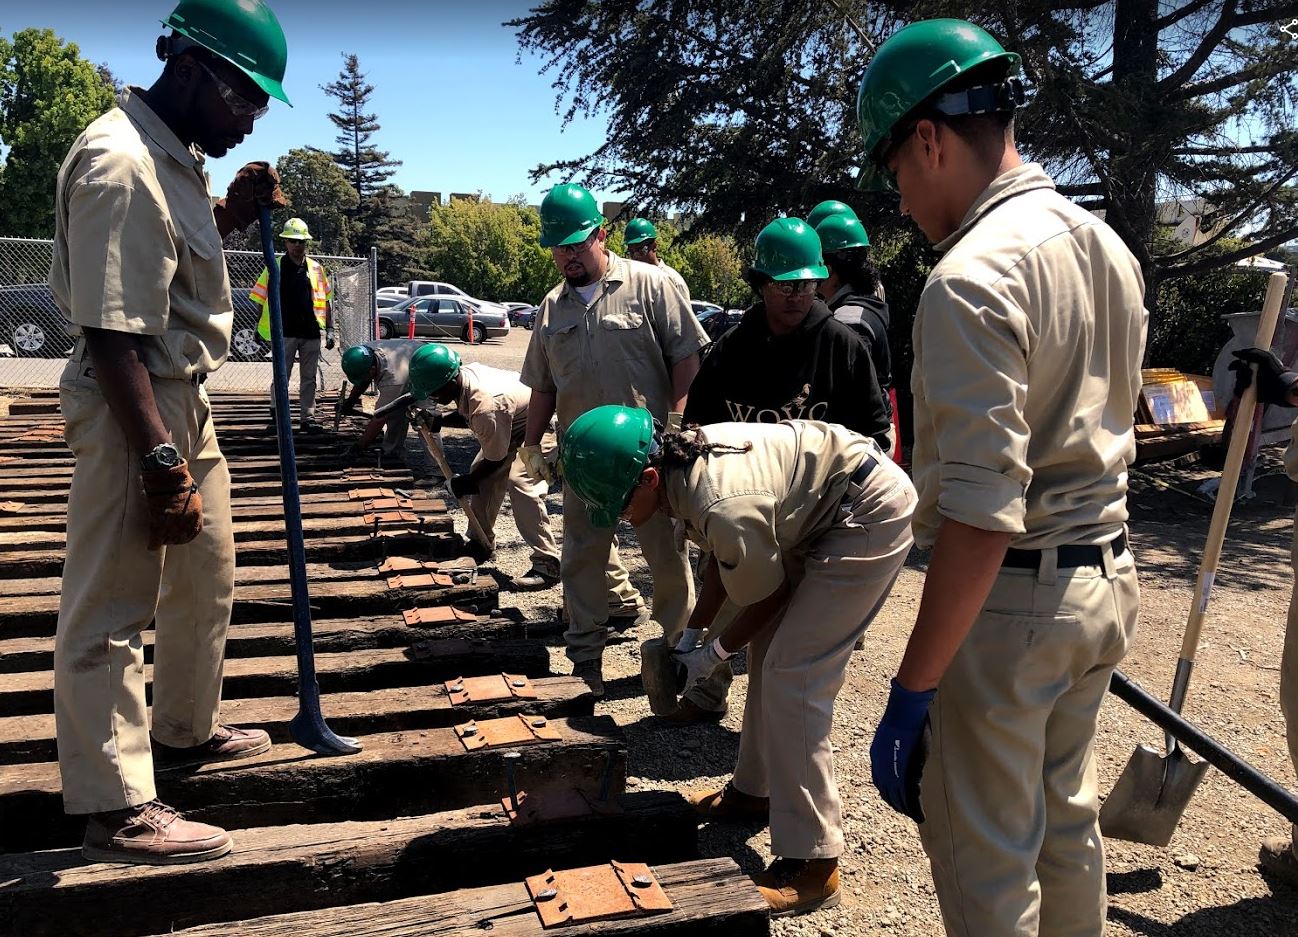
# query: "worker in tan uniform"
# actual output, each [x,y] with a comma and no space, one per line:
[1278,386]
[1028,340]
[809,524]
[611,332]
[641,240]
[138,269]
[493,405]
[384,364]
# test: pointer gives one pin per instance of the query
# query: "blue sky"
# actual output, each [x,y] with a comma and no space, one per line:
[455,105]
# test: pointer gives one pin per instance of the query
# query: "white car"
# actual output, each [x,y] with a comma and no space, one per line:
[437,288]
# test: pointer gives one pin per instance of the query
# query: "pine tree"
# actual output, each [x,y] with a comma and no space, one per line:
[365,165]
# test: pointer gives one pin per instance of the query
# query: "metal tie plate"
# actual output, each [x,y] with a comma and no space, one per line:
[597,893]
[490,689]
[365,494]
[506,732]
[441,615]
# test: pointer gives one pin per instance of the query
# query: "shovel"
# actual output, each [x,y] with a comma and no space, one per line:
[1154,789]
[308,727]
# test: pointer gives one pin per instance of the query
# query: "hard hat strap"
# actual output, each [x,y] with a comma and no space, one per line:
[994,98]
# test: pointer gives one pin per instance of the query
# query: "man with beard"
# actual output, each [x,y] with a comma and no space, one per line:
[641,240]
[613,332]
[788,359]
[138,268]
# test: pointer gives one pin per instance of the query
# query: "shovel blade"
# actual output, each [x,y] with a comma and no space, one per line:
[1150,796]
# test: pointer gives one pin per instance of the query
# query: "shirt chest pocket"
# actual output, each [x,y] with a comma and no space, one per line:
[564,348]
[201,264]
[625,334]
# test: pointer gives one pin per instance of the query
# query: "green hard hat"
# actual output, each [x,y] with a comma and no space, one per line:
[841,232]
[431,368]
[245,33]
[602,455]
[915,63]
[568,215]
[789,249]
[295,229]
[826,208]
[637,230]
[357,362]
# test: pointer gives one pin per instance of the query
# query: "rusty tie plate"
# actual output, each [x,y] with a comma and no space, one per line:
[597,893]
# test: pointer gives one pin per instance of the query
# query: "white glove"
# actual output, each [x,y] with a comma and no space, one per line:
[536,465]
[700,663]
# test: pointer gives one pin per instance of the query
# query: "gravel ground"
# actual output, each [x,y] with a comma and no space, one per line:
[1205,882]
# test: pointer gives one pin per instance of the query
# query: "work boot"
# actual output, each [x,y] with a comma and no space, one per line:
[477,552]
[729,804]
[624,623]
[533,580]
[312,427]
[592,671]
[1277,857]
[798,886]
[151,834]
[688,712]
[228,743]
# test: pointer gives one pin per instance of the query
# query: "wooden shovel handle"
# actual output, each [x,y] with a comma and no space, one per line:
[1275,292]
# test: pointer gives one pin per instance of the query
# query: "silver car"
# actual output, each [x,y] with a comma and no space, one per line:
[442,317]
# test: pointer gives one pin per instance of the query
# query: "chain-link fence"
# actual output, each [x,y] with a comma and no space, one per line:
[35,340]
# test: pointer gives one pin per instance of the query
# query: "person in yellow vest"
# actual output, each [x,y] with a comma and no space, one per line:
[306,298]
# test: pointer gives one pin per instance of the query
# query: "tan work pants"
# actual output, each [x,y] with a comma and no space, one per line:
[595,584]
[1289,672]
[526,500]
[114,586]
[1009,790]
[797,666]
[306,352]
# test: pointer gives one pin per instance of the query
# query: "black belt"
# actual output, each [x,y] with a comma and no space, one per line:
[1070,555]
[868,465]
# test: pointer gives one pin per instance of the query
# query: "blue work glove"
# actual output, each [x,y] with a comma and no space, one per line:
[899,749]
[462,485]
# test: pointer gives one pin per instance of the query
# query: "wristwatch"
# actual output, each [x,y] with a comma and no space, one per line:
[162,456]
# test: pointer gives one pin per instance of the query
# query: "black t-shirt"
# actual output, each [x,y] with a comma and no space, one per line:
[820,371]
[868,317]
[295,300]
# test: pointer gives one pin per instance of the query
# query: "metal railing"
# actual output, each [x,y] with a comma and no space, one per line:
[36,339]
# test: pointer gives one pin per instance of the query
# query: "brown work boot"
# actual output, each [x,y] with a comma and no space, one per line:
[688,712]
[1277,857]
[228,743]
[592,671]
[798,886]
[732,805]
[152,834]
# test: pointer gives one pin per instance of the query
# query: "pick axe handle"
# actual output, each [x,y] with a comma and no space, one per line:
[1275,291]
[435,450]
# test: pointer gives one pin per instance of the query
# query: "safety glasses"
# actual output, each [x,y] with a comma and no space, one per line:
[796,287]
[571,250]
[239,105]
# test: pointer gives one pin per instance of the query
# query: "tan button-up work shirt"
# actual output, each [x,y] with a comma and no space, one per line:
[136,247]
[674,275]
[1028,341]
[619,350]
[494,404]
[759,511]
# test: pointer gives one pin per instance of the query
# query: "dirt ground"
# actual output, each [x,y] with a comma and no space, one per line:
[1205,882]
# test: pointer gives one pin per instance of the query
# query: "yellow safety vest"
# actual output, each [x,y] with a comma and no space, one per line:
[321,292]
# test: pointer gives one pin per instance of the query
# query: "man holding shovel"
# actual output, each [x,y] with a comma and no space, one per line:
[1028,340]
[138,268]
[493,405]
[1278,386]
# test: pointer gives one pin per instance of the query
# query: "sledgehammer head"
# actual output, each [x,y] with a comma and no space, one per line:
[661,674]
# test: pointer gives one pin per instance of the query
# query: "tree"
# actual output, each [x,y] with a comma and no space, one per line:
[48,94]
[384,224]
[713,269]
[365,165]
[490,250]
[320,195]
[750,110]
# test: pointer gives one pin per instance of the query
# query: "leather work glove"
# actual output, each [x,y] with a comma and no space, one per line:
[700,663]
[331,339]
[175,506]
[1274,380]
[899,749]
[432,420]
[462,485]
[536,465]
[254,185]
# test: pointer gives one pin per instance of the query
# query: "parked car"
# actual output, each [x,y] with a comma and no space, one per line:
[701,307]
[401,292]
[439,288]
[31,324]
[442,317]
[717,321]
[387,301]
[245,343]
[522,316]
